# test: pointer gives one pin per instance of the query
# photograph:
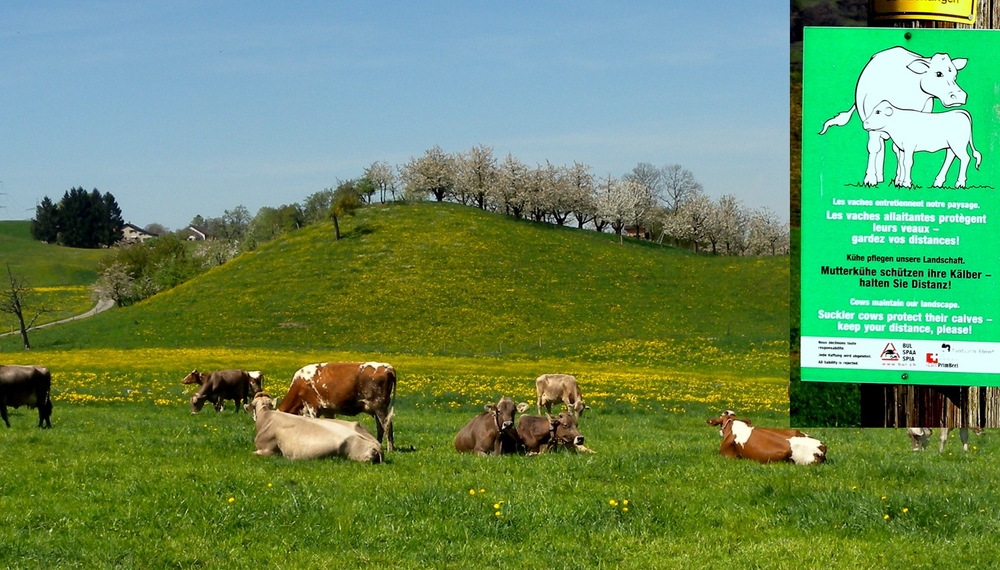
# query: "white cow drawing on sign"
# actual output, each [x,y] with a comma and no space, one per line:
[906,81]
[913,131]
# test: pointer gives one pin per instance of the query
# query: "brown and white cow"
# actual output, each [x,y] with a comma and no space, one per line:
[740,439]
[492,431]
[298,437]
[221,385]
[559,388]
[347,388]
[538,434]
[26,386]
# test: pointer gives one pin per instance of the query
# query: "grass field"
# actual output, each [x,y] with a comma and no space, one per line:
[59,276]
[468,307]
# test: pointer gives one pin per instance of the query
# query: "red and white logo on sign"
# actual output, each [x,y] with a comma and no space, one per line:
[889,353]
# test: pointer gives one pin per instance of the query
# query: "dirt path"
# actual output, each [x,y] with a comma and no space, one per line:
[100,307]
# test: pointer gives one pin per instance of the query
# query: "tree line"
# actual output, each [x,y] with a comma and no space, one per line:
[80,219]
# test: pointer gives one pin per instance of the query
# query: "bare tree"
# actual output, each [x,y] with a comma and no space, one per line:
[13,302]
[678,186]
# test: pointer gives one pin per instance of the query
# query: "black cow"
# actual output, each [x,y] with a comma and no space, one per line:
[26,386]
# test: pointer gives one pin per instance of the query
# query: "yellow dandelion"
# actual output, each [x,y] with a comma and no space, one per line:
[472,491]
[906,510]
[883,497]
[624,509]
[886,517]
[625,502]
[613,503]
[497,514]
[232,499]
[496,506]
[269,485]
[482,490]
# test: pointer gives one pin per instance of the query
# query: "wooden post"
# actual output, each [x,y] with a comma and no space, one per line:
[904,405]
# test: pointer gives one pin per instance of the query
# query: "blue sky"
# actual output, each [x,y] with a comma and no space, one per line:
[182,108]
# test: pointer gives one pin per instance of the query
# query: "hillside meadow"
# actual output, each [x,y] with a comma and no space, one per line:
[468,306]
[59,277]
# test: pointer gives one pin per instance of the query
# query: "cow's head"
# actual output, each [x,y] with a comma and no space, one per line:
[938,77]
[578,407]
[261,401]
[564,430]
[880,116]
[256,381]
[503,413]
[194,377]
[724,420]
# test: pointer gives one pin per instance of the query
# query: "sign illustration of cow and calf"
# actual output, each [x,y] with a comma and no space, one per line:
[894,99]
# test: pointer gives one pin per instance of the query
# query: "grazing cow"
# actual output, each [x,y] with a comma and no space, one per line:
[913,131]
[559,388]
[347,388]
[742,440]
[297,437]
[907,81]
[492,430]
[920,437]
[26,386]
[538,434]
[222,385]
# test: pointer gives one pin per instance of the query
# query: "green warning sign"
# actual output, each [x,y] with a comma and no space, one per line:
[900,209]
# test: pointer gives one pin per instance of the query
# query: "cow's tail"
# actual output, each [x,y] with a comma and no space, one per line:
[975,153]
[840,120]
[392,403]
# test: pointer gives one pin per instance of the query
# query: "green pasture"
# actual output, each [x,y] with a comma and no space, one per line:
[450,280]
[60,277]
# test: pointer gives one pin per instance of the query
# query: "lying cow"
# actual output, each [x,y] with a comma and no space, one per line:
[347,388]
[914,131]
[297,437]
[539,434]
[26,386]
[742,440]
[491,431]
[221,385]
[559,388]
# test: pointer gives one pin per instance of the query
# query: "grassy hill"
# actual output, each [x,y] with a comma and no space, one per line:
[443,279]
[60,276]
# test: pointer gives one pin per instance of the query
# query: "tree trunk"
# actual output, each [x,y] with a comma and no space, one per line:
[336,228]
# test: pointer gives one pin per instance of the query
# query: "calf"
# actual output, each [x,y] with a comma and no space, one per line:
[920,437]
[222,385]
[914,131]
[559,388]
[26,386]
[492,430]
[538,434]
[298,437]
[742,440]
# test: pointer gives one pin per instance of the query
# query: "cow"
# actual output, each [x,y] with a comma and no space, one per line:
[907,81]
[26,386]
[913,131]
[298,437]
[559,388]
[221,385]
[491,431]
[539,434]
[347,388]
[742,440]
[920,437]
[785,432]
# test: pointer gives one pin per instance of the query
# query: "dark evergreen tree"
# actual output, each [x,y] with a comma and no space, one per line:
[80,219]
[45,226]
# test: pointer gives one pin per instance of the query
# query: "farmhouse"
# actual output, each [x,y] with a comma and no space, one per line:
[132,233]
